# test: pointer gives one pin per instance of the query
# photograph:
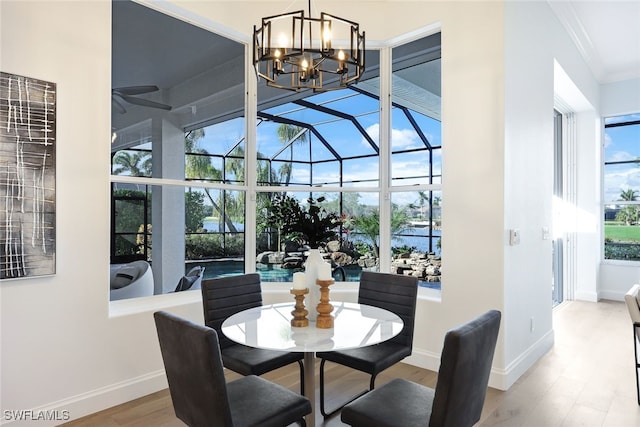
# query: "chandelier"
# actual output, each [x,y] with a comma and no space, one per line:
[295,52]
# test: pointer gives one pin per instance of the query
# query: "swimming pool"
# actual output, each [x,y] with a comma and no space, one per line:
[275,273]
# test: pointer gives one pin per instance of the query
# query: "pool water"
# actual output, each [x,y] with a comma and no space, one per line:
[274,273]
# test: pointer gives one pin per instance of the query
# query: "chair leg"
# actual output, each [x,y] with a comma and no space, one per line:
[301,365]
[326,414]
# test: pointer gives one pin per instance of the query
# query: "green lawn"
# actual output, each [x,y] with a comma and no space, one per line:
[622,233]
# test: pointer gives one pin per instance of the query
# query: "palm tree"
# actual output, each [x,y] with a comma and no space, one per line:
[628,195]
[369,225]
[137,163]
[628,214]
[200,167]
[290,135]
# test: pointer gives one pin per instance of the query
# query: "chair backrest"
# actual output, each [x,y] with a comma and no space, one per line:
[464,371]
[225,296]
[632,299]
[192,361]
[395,293]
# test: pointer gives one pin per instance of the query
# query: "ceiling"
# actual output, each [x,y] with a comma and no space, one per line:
[607,34]
[150,48]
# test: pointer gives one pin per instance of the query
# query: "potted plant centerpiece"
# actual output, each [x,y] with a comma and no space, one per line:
[312,226]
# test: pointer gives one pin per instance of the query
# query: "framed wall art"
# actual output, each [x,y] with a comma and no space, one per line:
[27,177]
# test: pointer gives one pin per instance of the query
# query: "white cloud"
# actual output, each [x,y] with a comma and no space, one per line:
[620,156]
[620,180]
[400,138]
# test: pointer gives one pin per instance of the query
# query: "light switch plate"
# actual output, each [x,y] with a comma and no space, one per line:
[514,236]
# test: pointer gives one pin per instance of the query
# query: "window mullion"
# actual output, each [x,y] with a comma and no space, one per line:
[250,161]
[385,159]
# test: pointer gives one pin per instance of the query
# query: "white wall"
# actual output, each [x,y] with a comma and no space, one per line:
[60,347]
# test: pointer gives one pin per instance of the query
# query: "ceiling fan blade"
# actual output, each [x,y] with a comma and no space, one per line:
[118,104]
[144,102]
[136,90]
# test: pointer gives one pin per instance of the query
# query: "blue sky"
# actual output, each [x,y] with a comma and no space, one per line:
[621,143]
[345,138]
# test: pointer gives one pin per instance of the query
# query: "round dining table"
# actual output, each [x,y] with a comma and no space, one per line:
[269,327]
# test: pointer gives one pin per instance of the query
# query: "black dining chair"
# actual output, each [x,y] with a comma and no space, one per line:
[200,395]
[226,296]
[457,400]
[392,292]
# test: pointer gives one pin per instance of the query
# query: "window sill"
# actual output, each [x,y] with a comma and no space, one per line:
[273,290]
[153,303]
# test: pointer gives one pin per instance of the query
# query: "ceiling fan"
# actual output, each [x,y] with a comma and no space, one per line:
[127,93]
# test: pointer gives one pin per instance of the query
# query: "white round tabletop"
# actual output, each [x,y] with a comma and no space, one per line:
[269,327]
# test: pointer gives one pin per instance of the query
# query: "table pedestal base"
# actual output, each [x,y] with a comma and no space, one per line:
[310,385]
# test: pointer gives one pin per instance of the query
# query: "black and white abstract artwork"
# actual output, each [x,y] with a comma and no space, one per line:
[27,177]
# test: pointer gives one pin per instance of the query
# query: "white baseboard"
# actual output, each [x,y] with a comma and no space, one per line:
[587,296]
[612,295]
[94,401]
[500,379]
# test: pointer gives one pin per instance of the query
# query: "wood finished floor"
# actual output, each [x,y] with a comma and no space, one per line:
[586,380]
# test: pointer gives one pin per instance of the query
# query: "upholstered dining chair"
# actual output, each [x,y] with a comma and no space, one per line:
[632,299]
[225,296]
[200,395]
[459,395]
[392,292]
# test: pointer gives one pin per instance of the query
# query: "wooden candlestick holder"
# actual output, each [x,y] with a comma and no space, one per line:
[325,319]
[300,313]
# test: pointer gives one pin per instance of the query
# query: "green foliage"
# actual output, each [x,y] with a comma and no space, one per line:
[404,249]
[313,225]
[195,211]
[622,251]
[207,246]
[622,241]
[368,224]
[628,215]
[629,195]
[125,245]
[363,248]
[129,205]
[132,163]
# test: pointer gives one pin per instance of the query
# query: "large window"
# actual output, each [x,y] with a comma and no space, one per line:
[186,169]
[622,188]
[178,198]
[331,143]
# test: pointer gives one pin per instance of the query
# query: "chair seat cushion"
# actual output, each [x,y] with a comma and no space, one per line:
[255,361]
[257,402]
[372,359]
[397,403]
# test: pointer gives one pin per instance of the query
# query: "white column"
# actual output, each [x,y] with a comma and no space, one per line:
[168,215]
